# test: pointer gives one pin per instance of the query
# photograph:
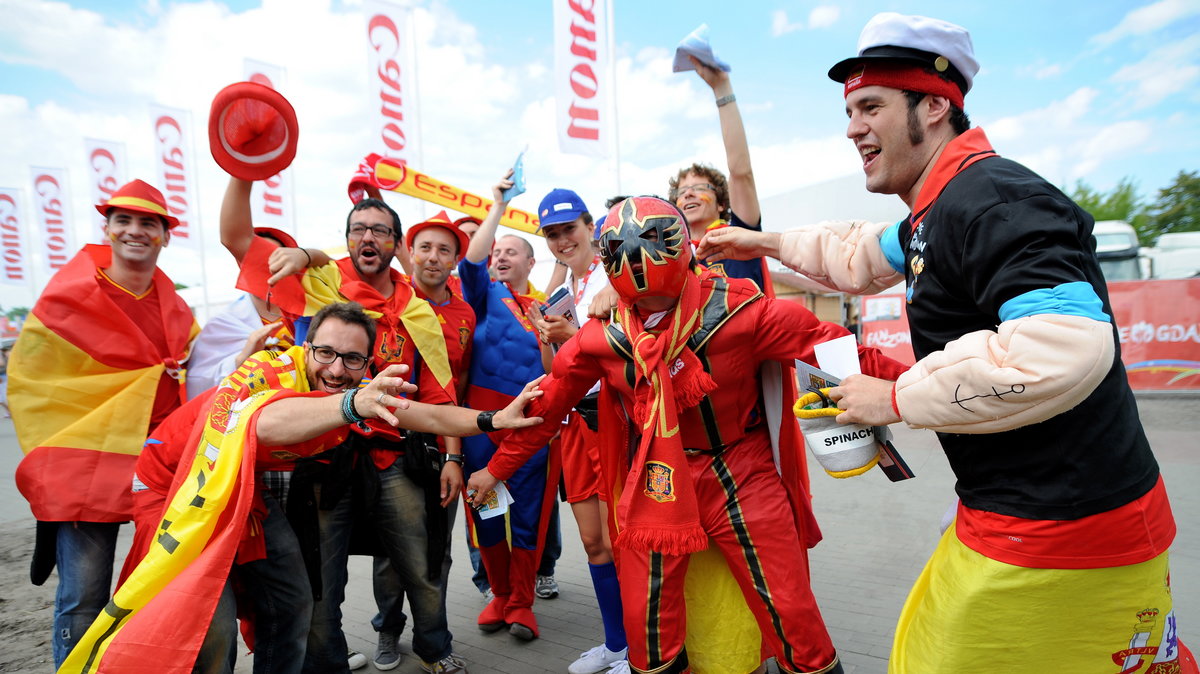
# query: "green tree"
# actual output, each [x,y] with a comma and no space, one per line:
[1122,203]
[1177,208]
[17,313]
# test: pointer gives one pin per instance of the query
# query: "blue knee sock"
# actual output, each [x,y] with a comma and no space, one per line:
[608,595]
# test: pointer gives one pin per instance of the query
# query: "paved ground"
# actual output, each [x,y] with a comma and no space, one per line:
[877,536]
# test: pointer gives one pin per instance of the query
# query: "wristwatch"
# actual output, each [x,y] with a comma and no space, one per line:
[454,458]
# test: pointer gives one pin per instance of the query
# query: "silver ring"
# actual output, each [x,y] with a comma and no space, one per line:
[380,398]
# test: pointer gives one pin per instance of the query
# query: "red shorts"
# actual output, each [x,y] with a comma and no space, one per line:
[580,451]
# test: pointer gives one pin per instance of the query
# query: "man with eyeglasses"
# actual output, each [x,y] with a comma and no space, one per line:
[409,333]
[311,399]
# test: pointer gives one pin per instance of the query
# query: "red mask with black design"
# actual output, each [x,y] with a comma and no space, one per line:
[645,250]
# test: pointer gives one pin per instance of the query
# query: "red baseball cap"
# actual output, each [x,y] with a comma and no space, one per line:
[252,131]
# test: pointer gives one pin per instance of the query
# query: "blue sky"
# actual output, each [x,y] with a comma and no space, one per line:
[1094,91]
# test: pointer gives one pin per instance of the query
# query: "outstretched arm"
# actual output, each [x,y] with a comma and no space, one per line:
[743,194]
[237,227]
[295,420]
[485,237]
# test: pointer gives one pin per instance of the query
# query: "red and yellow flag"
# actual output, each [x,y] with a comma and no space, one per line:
[82,384]
[162,612]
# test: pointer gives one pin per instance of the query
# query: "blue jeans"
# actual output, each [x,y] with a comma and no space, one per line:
[399,521]
[552,548]
[84,558]
[389,588]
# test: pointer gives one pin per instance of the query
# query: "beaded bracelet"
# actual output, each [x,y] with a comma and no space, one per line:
[349,414]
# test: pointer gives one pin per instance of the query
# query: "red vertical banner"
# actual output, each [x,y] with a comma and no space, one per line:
[106,174]
[51,219]
[581,77]
[885,326]
[14,246]
[1159,326]
[174,156]
[392,59]
[271,203]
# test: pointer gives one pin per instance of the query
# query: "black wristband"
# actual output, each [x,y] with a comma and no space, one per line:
[453,458]
[302,250]
[484,421]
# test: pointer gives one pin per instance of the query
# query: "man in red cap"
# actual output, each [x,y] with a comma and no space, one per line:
[685,445]
[98,365]
[1062,508]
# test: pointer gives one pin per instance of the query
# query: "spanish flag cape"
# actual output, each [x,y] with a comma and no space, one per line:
[158,618]
[305,293]
[82,384]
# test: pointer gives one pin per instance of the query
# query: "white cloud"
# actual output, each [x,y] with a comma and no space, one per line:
[781,26]
[1147,19]
[823,16]
[1166,70]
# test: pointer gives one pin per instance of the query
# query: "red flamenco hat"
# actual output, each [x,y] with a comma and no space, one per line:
[141,197]
[252,131]
[440,220]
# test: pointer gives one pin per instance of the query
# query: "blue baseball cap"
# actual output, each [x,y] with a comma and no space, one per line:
[559,207]
[599,224]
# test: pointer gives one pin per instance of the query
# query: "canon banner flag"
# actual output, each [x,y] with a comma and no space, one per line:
[173,150]
[106,174]
[271,202]
[14,259]
[52,218]
[391,53]
[581,76]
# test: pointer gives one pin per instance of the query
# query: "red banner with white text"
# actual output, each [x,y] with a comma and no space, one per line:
[392,81]
[174,155]
[271,199]
[106,174]
[1159,325]
[1158,322]
[582,85]
[52,219]
[14,243]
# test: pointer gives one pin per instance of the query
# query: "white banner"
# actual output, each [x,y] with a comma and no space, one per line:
[14,245]
[106,166]
[173,149]
[271,201]
[51,218]
[581,74]
[392,81]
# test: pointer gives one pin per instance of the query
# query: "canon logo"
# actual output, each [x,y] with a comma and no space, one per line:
[583,80]
[10,239]
[170,139]
[50,211]
[104,166]
[385,40]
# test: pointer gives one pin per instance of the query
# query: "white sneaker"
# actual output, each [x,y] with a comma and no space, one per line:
[597,659]
[621,667]
[488,596]
[356,660]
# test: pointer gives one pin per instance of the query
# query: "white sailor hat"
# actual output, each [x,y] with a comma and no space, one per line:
[933,43]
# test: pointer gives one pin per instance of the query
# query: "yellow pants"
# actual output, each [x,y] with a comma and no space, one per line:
[722,635]
[970,614]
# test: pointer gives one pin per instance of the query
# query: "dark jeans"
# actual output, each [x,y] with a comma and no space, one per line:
[278,591]
[399,521]
[84,558]
[389,588]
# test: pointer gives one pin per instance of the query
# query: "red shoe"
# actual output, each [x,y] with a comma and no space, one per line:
[491,619]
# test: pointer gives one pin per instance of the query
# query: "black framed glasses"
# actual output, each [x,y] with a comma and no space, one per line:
[380,231]
[326,356]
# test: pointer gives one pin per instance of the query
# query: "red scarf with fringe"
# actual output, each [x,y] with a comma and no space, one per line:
[657,508]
